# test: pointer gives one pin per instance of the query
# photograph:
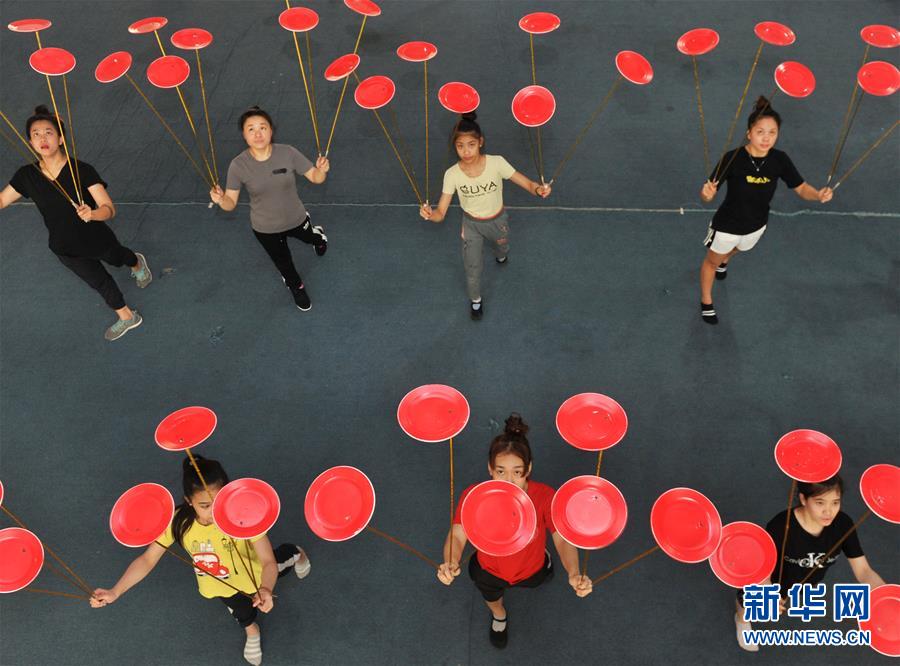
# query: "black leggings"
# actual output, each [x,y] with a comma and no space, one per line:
[94,274]
[491,587]
[240,606]
[277,248]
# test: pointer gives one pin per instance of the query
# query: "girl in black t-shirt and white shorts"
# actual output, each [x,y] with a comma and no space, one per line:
[752,172]
[817,525]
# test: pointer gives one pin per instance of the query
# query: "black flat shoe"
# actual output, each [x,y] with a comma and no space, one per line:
[499,638]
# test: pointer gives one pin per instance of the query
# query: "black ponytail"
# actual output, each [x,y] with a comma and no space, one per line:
[214,475]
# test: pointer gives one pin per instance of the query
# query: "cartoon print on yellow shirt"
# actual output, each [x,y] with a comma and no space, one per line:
[205,558]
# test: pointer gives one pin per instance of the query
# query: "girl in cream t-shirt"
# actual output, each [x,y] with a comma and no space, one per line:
[478,180]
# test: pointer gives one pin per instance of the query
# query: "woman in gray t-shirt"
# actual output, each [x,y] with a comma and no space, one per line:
[268,171]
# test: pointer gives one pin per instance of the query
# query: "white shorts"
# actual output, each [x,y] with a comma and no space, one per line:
[722,243]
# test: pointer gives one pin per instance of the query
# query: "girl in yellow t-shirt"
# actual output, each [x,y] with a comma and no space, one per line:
[478,180]
[193,528]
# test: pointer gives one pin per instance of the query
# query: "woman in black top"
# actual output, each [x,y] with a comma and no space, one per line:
[79,236]
[752,172]
[817,524]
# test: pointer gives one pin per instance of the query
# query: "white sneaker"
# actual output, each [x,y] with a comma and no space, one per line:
[302,565]
[743,626]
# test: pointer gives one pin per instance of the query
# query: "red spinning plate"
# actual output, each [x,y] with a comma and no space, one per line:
[882,36]
[342,67]
[113,66]
[746,555]
[149,24]
[168,71]
[686,525]
[884,620]
[52,61]
[775,33]
[21,559]
[185,428]
[339,503]
[191,39]
[879,78]
[808,456]
[141,515]
[880,488]
[417,51]
[433,413]
[458,97]
[533,106]
[246,508]
[364,7]
[374,92]
[29,25]
[634,67]
[298,19]
[498,518]
[698,41]
[539,23]
[591,422]
[589,512]
[795,79]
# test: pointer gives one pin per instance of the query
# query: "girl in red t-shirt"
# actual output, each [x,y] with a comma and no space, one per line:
[509,459]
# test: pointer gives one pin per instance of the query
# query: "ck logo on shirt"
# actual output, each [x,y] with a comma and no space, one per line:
[811,561]
[478,190]
[758,180]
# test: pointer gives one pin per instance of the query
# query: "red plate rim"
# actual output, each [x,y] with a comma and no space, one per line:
[640,78]
[792,441]
[32,538]
[191,39]
[539,23]
[363,482]
[883,593]
[872,491]
[887,69]
[371,82]
[523,501]
[298,19]
[533,90]
[744,527]
[880,36]
[149,24]
[703,500]
[772,32]
[448,96]
[29,25]
[113,59]
[563,497]
[710,36]
[406,405]
[184,412]
[597,400]
[787,73]
[237,531]
[416,51]
[161,492]
[338,69]
[1,493]
[65,64]
[364,7]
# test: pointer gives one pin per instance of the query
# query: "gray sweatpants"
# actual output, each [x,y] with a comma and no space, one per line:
[474,234]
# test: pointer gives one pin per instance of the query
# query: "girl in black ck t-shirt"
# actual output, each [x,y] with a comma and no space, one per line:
[752,172]
[78,234]
[816,527]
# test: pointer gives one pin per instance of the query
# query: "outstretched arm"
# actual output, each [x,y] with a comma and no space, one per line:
[808,193]
[264,599]
[134,574]
[449,569]
[429,213]
[530,186]
[318,173]
[568,555]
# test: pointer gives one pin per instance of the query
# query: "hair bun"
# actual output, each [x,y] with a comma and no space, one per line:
[471,115]
[515,425]
[41,110]
[761,103]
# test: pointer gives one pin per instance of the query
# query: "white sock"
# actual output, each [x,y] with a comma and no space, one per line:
[253,650]
[498,625]
[743,626]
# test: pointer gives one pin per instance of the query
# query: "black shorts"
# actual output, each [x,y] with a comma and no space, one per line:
[491,587]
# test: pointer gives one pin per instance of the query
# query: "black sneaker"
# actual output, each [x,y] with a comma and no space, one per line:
[499,638]
[476,310]
[721,271]
[708,313]
[322,243]
[503,261]
[301,298]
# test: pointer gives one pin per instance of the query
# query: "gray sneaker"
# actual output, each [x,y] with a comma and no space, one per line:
[122,326]
[142,275]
